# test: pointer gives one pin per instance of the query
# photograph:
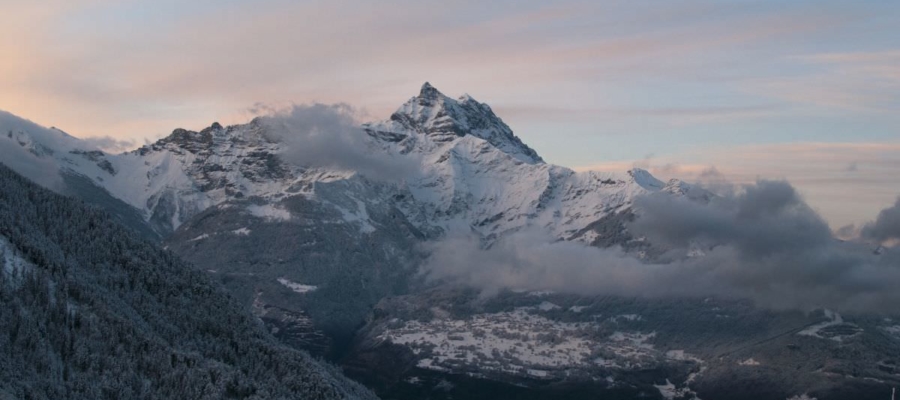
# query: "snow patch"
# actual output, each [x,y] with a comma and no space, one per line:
[681,355]
[415,380]
[670,392]
[636,339]
[269,212]
[547,306]
[835,329]
[241,232]
[893,330]
[297,287]
[358,215]
[14,265]
[749,362]
[626,317]
[201,237]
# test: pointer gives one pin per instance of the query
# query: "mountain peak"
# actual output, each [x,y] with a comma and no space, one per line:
[643,178]
[444,120]
[429,92]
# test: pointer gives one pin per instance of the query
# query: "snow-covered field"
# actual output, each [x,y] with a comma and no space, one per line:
[520,342]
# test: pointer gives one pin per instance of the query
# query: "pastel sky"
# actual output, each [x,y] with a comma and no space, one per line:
[803,90]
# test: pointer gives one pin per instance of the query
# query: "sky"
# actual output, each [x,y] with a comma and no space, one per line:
[807,91]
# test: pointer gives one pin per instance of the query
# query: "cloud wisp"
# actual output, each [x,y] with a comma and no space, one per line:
[321,135]
[762,242]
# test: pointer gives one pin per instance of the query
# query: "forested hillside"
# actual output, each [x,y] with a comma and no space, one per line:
[89,310]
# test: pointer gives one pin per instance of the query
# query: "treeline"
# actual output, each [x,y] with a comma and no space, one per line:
[89,310]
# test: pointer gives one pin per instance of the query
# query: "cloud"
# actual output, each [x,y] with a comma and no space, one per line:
[320,135]
[40,170]
[762,243]
[822,171]
[533,260]
[109,144]
[886,226]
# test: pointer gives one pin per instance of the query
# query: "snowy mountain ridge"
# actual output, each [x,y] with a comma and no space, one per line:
[476,175]
[316,252]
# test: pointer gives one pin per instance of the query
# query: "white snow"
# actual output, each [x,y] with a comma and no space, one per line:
[357,214]
[893,329]
[668,391]
[201,237]
[547,306]
[835,320]
[415,380]
[474,183]
[636,339]
[13,263]
[297,287]
[241,232]
[749,362]
[681,355]
[517,342]
[269,212]
[626,317]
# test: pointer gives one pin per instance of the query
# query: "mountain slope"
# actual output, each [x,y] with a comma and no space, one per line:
[231,201]
[89,310]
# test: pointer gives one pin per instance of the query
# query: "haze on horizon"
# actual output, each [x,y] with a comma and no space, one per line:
[702,90]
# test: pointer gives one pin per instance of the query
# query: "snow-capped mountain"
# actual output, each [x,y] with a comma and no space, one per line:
[476,175]
[327,257]
[480,177]
[229,200]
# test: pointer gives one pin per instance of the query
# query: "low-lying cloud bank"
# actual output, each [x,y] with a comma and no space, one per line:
[762,243]
[329,135]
